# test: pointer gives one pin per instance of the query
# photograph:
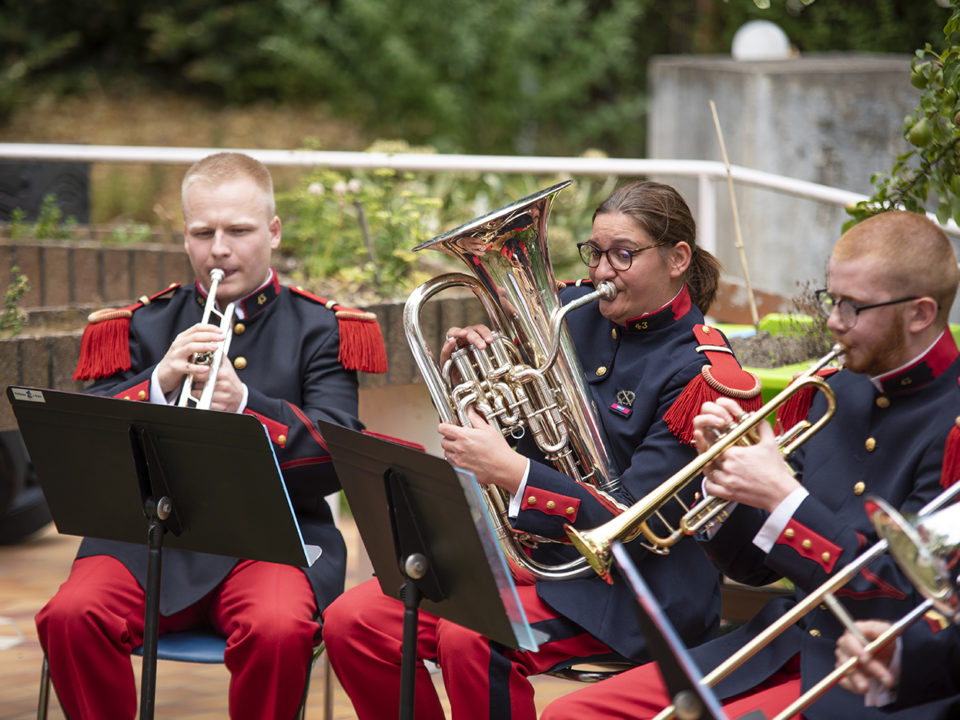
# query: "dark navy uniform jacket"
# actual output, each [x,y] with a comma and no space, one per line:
[651,361]
[286,351]
[930,666]
[888,443]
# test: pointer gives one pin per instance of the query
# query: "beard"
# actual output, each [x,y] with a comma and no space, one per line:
[882,354]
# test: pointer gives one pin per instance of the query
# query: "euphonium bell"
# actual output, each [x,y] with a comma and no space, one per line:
[529,379]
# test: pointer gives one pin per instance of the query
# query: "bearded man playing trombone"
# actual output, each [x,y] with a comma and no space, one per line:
[285,369]
[892,281]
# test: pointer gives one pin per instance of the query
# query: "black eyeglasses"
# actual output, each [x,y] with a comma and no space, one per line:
[620,258]
[847,310]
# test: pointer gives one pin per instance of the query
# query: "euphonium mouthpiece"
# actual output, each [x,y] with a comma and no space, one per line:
[607,290]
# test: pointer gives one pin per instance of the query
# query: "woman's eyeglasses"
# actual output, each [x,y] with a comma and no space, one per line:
[620,258]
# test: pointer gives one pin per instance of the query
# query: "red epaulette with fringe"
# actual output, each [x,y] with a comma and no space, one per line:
[361,342]
[722,376]
[105,346]
[950,471]
[797,406]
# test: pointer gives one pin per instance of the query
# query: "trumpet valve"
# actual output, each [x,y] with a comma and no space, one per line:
[201,358]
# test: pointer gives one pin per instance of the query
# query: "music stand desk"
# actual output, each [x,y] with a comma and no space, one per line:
[157,475]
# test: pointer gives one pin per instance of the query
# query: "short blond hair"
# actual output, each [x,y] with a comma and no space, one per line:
[226,166]
[913,253]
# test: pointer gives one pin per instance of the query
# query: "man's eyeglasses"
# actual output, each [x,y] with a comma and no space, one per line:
[620,258]
[847,310]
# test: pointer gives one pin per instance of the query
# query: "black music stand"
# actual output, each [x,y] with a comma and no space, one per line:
[679,672]
[135,472]
[430,540]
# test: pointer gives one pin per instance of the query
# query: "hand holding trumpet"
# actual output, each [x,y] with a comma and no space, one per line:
[755,474]
[179,363]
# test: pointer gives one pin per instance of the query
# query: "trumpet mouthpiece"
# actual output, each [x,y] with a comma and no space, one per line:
[216,275]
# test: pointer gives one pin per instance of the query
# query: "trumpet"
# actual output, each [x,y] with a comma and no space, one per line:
[595,544]
[927,553]
[212,359]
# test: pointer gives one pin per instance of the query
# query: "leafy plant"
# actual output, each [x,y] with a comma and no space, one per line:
[13,317]
[932,165]
[50,223]
[130,233]
[358,229]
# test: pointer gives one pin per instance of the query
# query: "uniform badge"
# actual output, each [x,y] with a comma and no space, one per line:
[624,402]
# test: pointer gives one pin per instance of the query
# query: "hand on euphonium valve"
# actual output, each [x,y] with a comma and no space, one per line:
[482,450]
[477,335]
[755,474]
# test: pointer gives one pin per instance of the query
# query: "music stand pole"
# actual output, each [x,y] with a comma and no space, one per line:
[160,511]
[414,568]
[420,580]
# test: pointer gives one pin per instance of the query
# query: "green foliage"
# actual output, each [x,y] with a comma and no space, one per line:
[130,233]
[932,164]
[357,229]
[501,76]
[13,317]
[50,224]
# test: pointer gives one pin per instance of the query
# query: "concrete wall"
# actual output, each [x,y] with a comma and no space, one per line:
[832,119]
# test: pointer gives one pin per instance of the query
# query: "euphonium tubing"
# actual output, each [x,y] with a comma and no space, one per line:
[529,379]
[595,544]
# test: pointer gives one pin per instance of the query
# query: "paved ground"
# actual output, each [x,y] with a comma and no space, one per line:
[30,573]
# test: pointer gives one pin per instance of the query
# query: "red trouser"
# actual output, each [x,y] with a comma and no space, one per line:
[363,632]
[639,694]
[93,623]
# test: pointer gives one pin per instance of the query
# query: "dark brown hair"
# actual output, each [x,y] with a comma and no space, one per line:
[663,214]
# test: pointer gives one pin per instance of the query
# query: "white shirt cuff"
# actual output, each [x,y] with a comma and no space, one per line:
[778,520]
[156,395]
[879,695]
[514,509]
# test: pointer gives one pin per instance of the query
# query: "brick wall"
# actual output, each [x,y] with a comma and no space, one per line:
[69,279]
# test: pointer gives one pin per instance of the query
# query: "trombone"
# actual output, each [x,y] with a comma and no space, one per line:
[212,359]
[595,544]
[926,563]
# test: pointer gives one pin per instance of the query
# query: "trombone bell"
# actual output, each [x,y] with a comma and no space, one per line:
[927,549]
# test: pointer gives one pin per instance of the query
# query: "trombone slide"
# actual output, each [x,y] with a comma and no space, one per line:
[808,603]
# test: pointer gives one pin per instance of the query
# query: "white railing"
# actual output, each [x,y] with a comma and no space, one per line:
[705,171]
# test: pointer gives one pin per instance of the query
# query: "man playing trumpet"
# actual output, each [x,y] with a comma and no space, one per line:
[892,281]
[285,370]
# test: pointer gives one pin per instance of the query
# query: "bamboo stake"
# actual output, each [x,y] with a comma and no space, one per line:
[736,219]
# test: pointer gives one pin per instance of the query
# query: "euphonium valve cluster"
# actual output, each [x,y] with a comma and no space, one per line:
[528,380]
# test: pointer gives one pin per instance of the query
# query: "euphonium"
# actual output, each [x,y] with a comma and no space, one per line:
[528,379]
[212,359]
[634,521]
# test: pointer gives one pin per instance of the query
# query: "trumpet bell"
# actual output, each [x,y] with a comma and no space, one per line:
[927,549]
